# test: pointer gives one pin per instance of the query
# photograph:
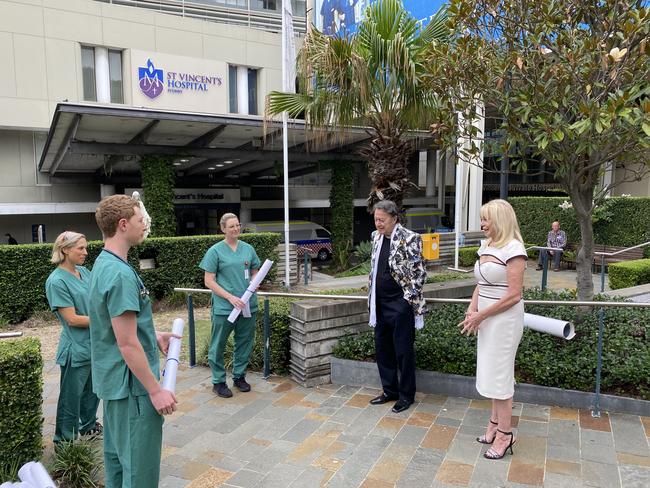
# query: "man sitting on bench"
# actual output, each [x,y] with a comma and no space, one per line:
[557,240]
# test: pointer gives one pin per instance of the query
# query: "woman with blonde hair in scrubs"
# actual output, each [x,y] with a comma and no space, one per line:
[67,294]
[229,267]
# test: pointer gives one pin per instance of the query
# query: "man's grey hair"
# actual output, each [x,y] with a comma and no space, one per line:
[387,206]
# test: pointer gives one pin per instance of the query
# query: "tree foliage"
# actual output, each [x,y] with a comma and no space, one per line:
[373,78]
[342,204]
[569,81]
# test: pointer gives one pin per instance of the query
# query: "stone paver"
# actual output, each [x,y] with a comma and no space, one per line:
[283,435]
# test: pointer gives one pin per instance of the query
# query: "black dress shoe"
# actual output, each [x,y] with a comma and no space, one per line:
[222,390]
[381,399]
[401,405]
[242,384]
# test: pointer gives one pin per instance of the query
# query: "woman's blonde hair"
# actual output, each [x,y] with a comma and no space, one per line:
[225,218]
[503,221]
[65,240]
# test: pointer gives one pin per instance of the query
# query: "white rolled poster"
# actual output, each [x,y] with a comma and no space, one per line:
[35,475]
[556,327]
[173,353]
[252,286]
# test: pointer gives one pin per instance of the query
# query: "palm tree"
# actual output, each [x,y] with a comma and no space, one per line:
[373,78]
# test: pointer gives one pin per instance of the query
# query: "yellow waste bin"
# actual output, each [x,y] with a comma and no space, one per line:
[431,246]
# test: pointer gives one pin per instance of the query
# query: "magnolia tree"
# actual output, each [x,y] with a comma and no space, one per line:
[569,82]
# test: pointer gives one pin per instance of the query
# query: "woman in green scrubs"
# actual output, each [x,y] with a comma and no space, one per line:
[229,267]
[67,293]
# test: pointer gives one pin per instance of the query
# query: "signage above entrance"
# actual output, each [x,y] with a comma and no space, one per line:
[199,195]
[178,82]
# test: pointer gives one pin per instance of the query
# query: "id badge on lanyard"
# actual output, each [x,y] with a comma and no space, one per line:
[247,274]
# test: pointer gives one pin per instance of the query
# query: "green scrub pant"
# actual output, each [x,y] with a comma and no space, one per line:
[76,410]
[132,443]
[244,329]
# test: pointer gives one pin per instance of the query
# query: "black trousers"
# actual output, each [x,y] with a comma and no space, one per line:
[394,350]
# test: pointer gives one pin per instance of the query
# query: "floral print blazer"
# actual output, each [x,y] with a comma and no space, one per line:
[405,263]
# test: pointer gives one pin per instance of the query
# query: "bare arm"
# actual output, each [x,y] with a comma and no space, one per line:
[210,281]
[125,330]
[71,317]
[473,304]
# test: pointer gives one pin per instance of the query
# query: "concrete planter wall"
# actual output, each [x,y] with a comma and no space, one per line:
[316,326]
[360,373]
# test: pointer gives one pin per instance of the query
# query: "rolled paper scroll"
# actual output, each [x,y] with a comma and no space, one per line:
[556,327]
[252,286]
[35,475]
[173,353]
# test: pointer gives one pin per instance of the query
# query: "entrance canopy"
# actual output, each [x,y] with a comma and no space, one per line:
[108,140]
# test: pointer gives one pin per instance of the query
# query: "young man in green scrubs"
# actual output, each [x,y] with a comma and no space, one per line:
[124,346]
[229,266]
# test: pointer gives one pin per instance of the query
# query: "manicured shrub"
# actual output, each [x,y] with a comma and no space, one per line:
[541,358]
[629,273]
[21,396]
[24,268]
[467,256]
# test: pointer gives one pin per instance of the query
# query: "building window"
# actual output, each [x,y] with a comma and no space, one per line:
[115,74]
[232,88]
[252,91]
[88,73]
[102,74]
[242,90]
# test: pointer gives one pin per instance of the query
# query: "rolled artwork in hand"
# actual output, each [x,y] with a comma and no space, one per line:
[173,353]
[252,286]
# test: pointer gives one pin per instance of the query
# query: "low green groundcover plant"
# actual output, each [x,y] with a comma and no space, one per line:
[77,464]
[541,358]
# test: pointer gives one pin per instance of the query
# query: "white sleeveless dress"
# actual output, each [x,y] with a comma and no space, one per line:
[499,335]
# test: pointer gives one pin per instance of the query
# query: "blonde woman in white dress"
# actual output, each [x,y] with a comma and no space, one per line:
[496,314]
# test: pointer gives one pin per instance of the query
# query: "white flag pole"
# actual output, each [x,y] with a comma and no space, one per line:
[288,59]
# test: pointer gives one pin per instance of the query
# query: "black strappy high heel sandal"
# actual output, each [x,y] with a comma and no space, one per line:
[483,439]
[492,454]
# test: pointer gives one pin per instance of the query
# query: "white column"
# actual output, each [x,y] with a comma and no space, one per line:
[242,90]
[106,190]
[608,177]
[244,215]
[475,183]
[441,178]
[432,164]
[102,75]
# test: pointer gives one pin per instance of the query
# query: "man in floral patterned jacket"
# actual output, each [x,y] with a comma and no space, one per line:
[396,304]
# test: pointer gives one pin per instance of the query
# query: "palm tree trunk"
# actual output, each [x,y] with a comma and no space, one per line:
[387,159]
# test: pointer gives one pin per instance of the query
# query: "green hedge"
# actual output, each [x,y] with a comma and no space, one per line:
[618,221]
[280,348]
[541,358]
[24,268]
[467,255]
[21,396]
[629,273]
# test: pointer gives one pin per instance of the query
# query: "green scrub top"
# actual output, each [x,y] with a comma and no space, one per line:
[115,288]
[232,271]
[63,290]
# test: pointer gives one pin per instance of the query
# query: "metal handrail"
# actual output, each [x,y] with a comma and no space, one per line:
[602,253]
[431,300]
[267,332]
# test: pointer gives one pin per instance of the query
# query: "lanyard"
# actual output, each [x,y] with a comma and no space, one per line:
[143,289]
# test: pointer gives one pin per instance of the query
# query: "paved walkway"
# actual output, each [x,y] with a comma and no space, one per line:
[283,435]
